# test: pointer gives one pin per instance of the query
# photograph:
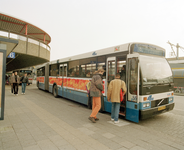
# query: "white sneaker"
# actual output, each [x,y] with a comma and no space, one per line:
[17,94]
[112,119]
[116,122]
[22,93]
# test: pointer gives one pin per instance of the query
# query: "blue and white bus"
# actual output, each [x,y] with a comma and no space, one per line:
[147,75]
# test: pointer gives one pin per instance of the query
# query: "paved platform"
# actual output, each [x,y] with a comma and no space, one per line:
[38,121]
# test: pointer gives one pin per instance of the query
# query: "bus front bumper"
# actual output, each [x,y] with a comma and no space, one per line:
[144,114]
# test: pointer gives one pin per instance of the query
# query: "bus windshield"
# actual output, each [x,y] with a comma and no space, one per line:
[155,70]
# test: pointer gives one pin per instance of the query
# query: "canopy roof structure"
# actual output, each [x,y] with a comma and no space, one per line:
[17,26]
[28,43]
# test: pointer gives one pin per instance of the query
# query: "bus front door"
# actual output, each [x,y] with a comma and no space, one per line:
[132,103]
[110,75]
[111,69]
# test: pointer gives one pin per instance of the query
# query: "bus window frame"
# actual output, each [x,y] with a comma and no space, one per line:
[42,68]
[50,68]
[130,56]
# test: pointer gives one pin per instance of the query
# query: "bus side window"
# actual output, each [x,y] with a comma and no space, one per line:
[43,71]
[85,70]
[111,71]
[65,70]
[87,67]
[61,70]
[54,70]
[102,64]
[73,70]
[121,68]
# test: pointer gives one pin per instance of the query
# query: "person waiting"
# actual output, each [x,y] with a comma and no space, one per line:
[113,94]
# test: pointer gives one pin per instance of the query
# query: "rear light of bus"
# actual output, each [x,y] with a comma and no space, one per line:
[172,94]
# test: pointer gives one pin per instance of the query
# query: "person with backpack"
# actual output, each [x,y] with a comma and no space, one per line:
[96,89]
[113,94]
[24,81]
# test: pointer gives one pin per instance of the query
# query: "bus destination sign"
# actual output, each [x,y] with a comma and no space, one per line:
[149,49]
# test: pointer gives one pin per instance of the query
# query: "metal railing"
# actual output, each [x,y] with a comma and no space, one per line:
[22,37]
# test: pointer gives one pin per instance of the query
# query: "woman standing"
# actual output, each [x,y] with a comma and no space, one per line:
[96,92]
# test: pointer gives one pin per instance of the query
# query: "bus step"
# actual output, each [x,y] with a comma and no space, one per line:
[121,113]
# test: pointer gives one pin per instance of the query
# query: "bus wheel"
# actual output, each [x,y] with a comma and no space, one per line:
[55,91]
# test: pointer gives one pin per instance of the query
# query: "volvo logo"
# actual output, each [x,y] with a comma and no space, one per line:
[94,53]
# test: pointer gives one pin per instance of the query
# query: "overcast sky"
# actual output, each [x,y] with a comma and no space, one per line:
[79,26]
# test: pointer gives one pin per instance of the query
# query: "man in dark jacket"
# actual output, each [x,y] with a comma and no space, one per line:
[96,89]
[15,80]
[24,80]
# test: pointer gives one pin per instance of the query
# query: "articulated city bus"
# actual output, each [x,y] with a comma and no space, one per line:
[147,75]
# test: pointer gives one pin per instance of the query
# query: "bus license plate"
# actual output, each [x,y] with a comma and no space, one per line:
[161,108]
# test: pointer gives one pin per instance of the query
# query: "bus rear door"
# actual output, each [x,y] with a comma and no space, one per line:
[64,80]
[132,103]
[47,77]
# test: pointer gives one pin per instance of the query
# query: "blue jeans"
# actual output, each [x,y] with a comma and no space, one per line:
[115,111]
[24,87]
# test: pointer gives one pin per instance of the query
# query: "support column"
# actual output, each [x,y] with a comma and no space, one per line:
[2,78]
[26,30]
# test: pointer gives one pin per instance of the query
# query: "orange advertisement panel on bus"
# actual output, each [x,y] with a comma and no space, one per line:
[77,84]
[41,79]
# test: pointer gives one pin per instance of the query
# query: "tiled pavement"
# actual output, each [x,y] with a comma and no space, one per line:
[38,121]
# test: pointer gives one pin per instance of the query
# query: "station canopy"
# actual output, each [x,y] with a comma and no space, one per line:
[17,26]
[12,25]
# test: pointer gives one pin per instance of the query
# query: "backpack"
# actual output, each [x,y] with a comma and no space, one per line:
[88,85]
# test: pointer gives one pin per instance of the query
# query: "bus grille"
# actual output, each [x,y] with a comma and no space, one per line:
[156,102]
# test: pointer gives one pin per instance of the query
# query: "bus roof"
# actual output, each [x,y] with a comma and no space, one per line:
[105,51]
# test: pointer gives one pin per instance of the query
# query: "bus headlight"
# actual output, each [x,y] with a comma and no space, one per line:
[171,99]
[146,105]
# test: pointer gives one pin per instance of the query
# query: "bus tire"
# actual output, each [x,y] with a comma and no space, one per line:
[55,91]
